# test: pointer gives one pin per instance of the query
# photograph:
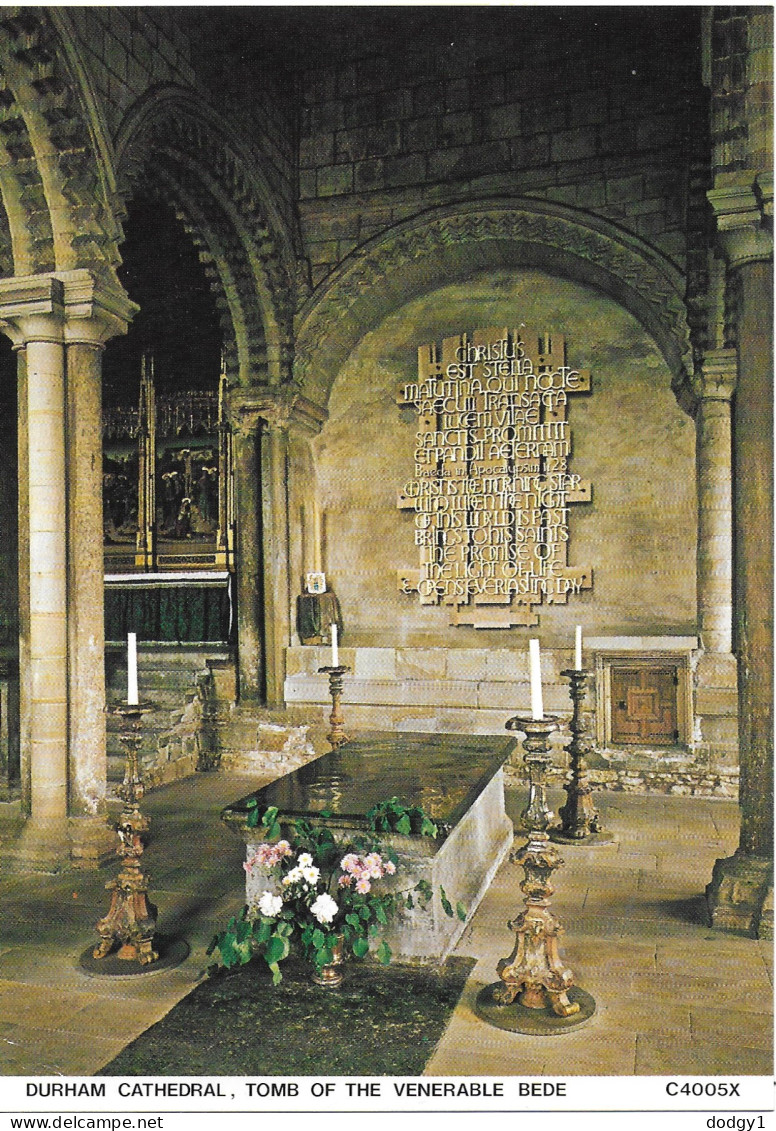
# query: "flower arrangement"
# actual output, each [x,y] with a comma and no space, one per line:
[322,893]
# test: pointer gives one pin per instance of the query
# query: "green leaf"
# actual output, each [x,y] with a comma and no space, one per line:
[447,906]
[384,953]
[380,914]
[277,977]
[460,910]
[360,947]
[319,938]
[403,825]
[262,930]
[428,828]
[277,949]
[353,919]
[365,913]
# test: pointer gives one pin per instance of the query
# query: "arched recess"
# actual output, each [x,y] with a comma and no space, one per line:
[173,141]
[448,244]
[55,163]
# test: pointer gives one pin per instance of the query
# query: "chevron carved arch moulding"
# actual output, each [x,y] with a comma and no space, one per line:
[436,247]
[227,209]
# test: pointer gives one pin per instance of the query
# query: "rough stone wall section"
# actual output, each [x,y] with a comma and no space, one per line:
[373,151]
[129,50]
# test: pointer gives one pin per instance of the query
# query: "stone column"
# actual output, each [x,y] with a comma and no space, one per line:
[39,314]
[94,314]
[714,389]
[261,422]
[740,894]
[246,424]
[284,414]
[274,497]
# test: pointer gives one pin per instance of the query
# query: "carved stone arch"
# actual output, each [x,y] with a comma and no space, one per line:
[228,209]
[54,176]
[448,244]
[225,265]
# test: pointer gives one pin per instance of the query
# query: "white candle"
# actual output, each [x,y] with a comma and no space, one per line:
[537,707]
[334,649]
[132,667]
[578,649]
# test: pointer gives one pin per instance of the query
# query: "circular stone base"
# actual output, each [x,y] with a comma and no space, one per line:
[536,1022]
[171,953]
[603,837]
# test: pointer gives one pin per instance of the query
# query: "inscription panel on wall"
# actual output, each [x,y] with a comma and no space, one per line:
[492,484]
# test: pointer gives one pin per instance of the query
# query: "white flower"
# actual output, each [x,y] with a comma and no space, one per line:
[325,908]
[270,905]
[304,860]
[311,874]
[293,876]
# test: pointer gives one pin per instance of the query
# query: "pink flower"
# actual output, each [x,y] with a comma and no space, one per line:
[350,863]
[389,868]
[363,885]
[345,881]
[373,865]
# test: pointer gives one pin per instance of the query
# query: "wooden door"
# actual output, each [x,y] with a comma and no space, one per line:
[644,709]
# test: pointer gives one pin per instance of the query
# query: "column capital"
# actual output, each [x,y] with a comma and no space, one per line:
[715,379]
[743,208]
[254,410]
[32,308]
[96,308]
[66,306]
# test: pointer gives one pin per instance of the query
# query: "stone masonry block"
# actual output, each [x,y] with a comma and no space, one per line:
[589,109]
[333,180]
[361,111]
[457,94]
[591,195]
[374,141]
[573,145]
[308,184]
[530,151]
[467,663]
[419,134]
[326,118]
[456,129]
[429,98]
[421,663]
[543,116]
[369,175]
[394,105]
[506,665]
[503,121]
[622,189]
[488,90]
[375,663]
[316,149]
[715,669]
[407,170]
[655,132]
[716,701]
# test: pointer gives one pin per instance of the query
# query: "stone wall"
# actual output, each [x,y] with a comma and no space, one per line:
[130,51]
[481,117]
[629,438]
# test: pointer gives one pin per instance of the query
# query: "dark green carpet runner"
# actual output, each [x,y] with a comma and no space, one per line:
[382,1021]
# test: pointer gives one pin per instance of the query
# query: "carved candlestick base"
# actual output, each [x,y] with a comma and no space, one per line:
[336,735]
[131,919]
[536,992]
[580,823]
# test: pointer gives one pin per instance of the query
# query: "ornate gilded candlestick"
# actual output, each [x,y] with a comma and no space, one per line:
[580,823]
[536,992]
[131,919]
[336,735]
